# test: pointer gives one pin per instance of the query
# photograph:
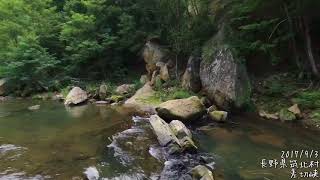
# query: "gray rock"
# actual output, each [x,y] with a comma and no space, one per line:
[224,79]
[102,102]
[182,109]
[34,108]
[179,129]
[144,79]
[163,131]
[201,172]
[76,96]
[125,89]
[191,77]
[103,92]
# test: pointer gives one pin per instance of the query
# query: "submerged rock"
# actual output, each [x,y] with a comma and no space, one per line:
[34,108]
[268,115]
[76,96]
[182,109]
[138,148]
[219,116]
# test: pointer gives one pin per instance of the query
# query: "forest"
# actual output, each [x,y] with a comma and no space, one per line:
[159,89]
[51,45]
[52,41]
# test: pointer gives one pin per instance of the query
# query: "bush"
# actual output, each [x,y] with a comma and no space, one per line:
[310,99]
[28,64]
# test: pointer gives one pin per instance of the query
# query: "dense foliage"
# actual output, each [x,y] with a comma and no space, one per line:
[47,41]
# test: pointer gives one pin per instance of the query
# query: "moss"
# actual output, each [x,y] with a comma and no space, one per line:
[153,100]
[64,91]
[116,98]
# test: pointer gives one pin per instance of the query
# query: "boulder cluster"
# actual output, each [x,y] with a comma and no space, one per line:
[176,138]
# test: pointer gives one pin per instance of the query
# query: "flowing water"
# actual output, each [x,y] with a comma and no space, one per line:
[106,142]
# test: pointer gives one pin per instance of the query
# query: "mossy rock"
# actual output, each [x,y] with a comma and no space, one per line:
[286,115]
[219,116]
[116,98]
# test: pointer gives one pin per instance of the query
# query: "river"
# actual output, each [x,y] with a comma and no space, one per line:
[56,142]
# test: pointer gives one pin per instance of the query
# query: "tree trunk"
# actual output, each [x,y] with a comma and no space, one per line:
[177,76]
[309,48]
[293,39]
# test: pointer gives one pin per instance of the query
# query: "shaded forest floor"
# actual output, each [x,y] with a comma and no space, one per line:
[280,91]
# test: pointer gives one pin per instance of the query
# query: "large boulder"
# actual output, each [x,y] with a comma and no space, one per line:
[191,77]
[142,100]
[224,78]
[179,129]
[3,87]
[175,136]
[182,109]
[76,96]
[163,131]
[125,89]
[152,54]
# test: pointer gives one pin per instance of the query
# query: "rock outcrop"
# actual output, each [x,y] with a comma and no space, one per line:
[76,96]
[191,77]
[144,79]
[152,54]
[181,109]
[224,79]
